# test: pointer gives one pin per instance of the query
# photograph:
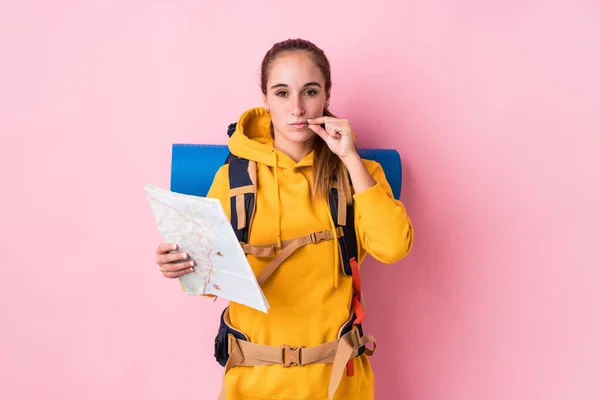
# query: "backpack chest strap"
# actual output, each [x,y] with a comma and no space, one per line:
[269,249]
[287,248]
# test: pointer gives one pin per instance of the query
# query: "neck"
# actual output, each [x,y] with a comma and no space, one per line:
[295,150]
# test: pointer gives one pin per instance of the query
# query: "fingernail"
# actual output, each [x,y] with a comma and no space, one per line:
[191,270]
[174,246]
[308,120]
[192,263]
[183,255]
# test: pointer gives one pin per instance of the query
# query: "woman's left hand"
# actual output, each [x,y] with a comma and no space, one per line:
[337,134]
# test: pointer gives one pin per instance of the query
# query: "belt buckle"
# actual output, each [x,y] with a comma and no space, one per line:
[291,356]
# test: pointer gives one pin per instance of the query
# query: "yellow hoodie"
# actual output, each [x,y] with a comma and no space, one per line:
[306,306]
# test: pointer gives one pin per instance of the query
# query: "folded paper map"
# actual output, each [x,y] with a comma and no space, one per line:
[201,228]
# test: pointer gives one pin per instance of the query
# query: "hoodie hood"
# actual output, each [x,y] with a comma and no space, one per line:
[252,140]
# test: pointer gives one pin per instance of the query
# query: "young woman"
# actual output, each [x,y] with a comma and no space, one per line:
[301,151]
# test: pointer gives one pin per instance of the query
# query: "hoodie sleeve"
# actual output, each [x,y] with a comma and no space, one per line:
[382,224]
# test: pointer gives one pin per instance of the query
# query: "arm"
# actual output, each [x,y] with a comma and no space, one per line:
[382,224]
[361,178]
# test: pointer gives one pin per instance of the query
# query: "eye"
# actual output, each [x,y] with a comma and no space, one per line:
[281,93]
[311,92]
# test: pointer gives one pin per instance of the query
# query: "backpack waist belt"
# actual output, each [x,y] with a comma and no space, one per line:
[244,353]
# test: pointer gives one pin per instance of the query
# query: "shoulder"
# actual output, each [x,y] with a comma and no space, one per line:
[220,183]
[222,172]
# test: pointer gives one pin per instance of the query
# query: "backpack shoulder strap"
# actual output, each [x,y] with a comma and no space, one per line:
[343,217]
[242,192]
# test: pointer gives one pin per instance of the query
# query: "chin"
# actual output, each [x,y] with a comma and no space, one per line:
[299,135]
[293,134]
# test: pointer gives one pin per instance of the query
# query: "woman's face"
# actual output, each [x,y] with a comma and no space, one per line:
[295,92]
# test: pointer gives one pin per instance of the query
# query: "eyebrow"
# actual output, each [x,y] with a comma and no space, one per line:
[278,85]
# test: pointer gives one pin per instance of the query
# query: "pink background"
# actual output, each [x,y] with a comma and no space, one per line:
[493,106]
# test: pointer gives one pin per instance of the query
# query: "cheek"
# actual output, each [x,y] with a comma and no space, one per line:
[319,101]
[278,114]
[316,108]
[278,107]
[279,119]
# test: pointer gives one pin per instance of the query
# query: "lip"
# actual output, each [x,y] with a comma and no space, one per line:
[298,127]
[298,124]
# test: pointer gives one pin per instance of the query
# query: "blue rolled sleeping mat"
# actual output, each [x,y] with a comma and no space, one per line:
[193,166]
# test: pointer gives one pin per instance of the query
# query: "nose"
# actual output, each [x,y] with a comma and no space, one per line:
[297,107]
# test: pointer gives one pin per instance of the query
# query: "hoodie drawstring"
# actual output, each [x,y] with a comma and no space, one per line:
[336,255]
[277,205]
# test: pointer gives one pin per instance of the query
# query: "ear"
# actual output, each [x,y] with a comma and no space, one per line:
[265,102]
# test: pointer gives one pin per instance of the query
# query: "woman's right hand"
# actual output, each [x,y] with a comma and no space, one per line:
[171,262]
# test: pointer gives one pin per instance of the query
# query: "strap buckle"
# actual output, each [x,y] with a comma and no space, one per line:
[318,237]
[355,337]
[291,356]
[231,342]
[259,250]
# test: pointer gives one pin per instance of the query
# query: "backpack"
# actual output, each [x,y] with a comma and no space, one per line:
[242,183]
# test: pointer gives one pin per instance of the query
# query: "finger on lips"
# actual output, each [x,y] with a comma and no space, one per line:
[326,120]
[318,130]
[316,121]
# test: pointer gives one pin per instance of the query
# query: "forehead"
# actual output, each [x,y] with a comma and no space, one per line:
[295,69]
